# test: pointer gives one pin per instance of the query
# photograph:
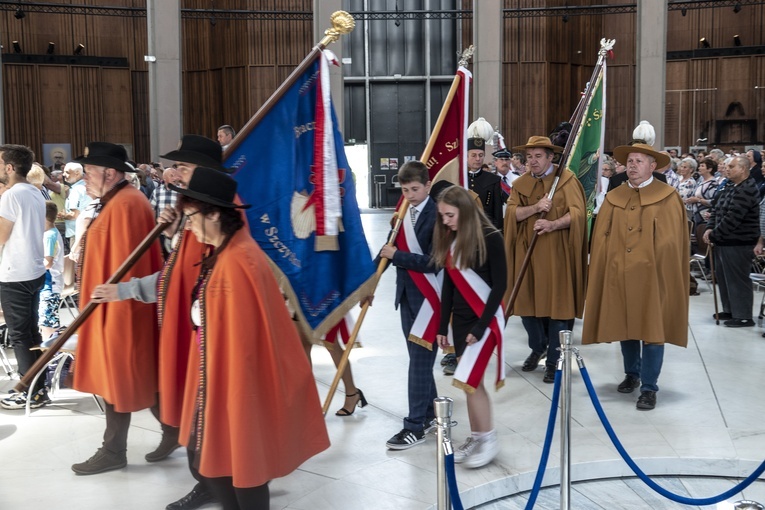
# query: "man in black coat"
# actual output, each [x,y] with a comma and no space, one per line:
[486,185]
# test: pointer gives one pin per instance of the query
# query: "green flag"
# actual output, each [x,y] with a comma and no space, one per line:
[587,150]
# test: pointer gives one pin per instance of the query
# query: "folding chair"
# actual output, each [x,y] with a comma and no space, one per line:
[9,371]
[70,291]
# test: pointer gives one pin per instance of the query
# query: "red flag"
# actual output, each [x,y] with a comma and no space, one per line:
[444,155]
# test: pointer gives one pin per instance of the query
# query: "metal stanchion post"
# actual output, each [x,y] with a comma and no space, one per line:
[564,362]
[443,409]
[746,504]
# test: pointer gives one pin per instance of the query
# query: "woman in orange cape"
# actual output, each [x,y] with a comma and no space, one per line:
[250,396]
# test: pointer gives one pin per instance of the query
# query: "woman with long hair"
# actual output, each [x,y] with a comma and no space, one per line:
[472,253]
[251,410]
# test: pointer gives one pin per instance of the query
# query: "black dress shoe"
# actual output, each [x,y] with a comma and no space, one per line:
[647,400]
[628,385]
[532,362]
[191,501]
[549,376]
[722,316]
[739,323]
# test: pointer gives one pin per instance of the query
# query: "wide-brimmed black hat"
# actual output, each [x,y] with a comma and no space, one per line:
[198,150]
[211,186]
[109,155]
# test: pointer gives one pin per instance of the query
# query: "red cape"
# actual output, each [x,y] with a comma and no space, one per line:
[177,280]
[260,416]
[117,345]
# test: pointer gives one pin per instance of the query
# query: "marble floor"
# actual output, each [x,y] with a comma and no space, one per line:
[709,422]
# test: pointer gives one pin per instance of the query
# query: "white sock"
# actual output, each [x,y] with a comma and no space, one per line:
[482,435]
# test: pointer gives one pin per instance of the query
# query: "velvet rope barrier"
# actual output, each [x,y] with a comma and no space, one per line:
[653,485]
[548,442]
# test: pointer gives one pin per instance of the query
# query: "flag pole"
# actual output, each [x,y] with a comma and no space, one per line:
[398,216]
[342,23]
[605,46]
[48,354]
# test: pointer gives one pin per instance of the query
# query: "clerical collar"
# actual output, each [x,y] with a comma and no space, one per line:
[475,174]
[642,184]
[547,172]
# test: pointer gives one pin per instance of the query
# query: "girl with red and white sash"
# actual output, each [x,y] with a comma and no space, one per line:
[472,253]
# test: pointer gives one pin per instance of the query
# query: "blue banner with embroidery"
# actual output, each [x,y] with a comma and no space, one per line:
[293,170]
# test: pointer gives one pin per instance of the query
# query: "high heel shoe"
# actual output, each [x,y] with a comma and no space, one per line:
[362,402]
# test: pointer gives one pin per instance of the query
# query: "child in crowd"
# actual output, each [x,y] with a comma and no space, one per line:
[472,253]
[50,296]
[412,257]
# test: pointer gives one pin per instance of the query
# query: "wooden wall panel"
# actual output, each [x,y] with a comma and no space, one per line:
[22,110]
[86,106]
[139,83]
[116,106]
[234,85]
[55,104]
[620,105]
[263,82]
[196,101]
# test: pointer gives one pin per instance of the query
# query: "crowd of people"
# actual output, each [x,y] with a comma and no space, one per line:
[458,255]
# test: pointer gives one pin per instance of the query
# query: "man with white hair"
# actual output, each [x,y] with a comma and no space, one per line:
[76,201]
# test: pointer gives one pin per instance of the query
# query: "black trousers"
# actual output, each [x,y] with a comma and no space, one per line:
[232,498]
[20,301]
[118,424]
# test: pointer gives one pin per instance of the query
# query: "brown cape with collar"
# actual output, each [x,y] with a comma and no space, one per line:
[638,284]
[555,280]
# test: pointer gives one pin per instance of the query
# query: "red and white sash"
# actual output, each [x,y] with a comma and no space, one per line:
[341,333]
[425,327]
[475,359]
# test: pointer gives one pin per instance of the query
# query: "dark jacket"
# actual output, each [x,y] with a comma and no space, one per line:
[486,185]
[735,215]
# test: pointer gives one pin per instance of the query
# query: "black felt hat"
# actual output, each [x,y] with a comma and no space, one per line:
[211,186]
[109,155]
[198,150]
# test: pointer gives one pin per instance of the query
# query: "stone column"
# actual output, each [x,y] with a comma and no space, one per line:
[487,61]
[165,86]
[322,10]
[650,83]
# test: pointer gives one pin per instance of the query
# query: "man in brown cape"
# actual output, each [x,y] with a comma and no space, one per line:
[552,291]
[117,345]
[638,283]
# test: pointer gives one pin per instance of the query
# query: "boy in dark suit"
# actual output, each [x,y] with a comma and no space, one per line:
[413,259]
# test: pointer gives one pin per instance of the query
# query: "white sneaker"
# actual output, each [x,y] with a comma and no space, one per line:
[484,453]
[465,450]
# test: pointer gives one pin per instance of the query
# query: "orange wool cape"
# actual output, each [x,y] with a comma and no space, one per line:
[176,282]
[117,345]
[251,405]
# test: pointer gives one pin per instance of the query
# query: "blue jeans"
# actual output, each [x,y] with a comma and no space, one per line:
[646,367]
[20,302]
[544,335]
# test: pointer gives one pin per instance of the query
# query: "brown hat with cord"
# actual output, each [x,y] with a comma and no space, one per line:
[538,142]
[623,151]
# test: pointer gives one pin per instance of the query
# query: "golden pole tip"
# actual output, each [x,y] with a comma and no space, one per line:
[342,23]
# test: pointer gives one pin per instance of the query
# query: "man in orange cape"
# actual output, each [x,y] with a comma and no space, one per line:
[117,346]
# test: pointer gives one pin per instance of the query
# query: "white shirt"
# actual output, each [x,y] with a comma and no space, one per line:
[419,209]
[22,255]
[77,199]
